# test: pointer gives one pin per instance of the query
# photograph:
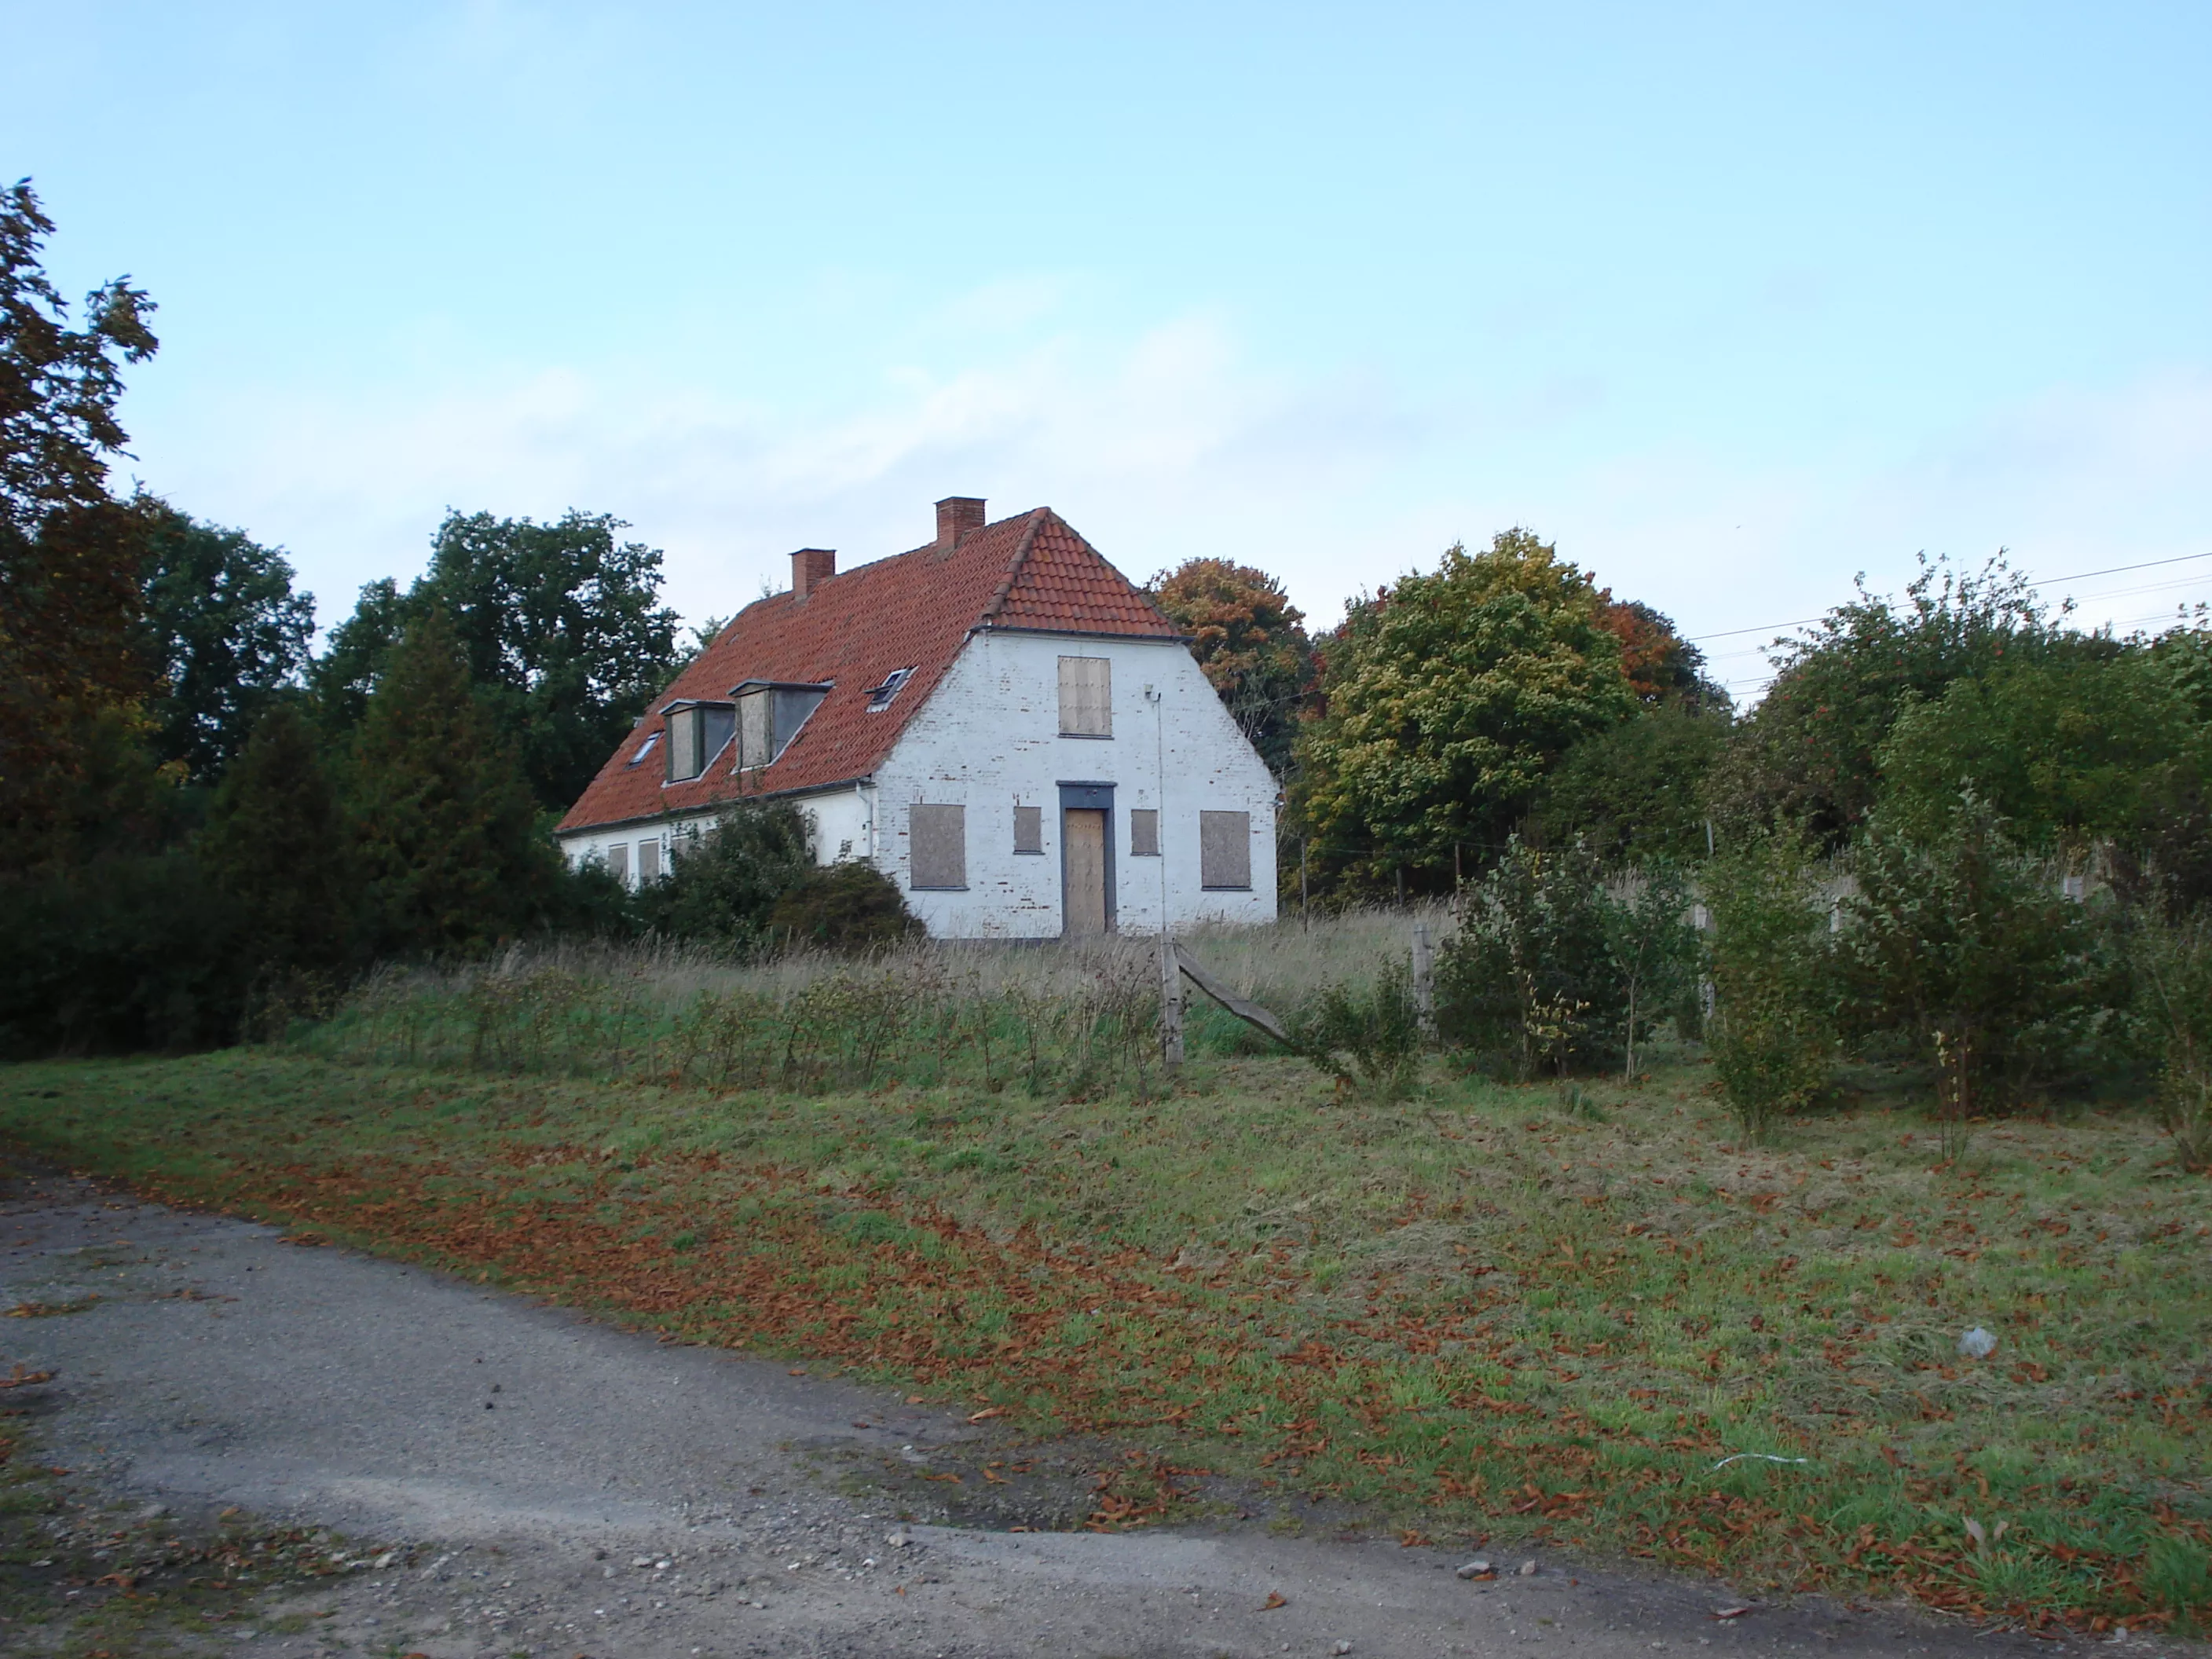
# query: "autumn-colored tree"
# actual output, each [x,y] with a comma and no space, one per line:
[1661,665]
[69,554]
[1250,641]
[451,857]
[1444,700]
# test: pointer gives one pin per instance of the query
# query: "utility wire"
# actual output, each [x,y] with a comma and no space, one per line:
[2048,581]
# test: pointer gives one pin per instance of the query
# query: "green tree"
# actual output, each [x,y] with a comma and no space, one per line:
[2064,745]
[69,591]
[1251,643]
[278,844]
[1636,789]
[224,631]
[343,678]
[564,635]
[1445,702]
[1809,754]
[450,854]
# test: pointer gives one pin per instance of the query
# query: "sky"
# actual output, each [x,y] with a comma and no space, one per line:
[1733,303]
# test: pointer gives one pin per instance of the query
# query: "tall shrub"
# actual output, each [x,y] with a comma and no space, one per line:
[1966,944]
[727,882]
[1529,983]
[1771,1031]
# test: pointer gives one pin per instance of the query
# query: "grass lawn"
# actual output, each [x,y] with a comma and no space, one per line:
[1478,1313]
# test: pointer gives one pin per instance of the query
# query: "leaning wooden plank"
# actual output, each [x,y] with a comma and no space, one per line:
[1250,1012]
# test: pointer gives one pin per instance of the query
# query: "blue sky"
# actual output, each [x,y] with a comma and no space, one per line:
[1731,302]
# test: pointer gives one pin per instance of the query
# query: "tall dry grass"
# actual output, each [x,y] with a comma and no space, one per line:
[1055,1014]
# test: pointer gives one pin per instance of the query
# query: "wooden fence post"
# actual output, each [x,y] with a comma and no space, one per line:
[1425,981]
[1171,1004]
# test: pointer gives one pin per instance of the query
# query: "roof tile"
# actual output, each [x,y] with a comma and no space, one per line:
[912,611]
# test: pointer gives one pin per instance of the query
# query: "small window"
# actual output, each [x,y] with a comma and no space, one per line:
[1086,697]
[648,861]
[1224,849]
[879,696]
[1144,832]
[936,846]
[618,862]
[1029,830]
[652,742]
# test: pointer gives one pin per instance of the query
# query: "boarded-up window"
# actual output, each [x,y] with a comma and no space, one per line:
[648,860]
[1224,849]
[1086,697]
[618,862]
[1029,828]
[936,846]
[682,744]
[754,743]
[1144,832]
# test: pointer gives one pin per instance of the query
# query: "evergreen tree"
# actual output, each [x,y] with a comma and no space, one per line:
[278,843]
[450,856]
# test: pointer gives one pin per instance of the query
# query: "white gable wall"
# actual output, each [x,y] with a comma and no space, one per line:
[839,819]
[988,740]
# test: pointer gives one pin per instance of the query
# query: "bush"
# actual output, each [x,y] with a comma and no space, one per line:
[1559,964]
[125,952]
[2173,962]
[1367,1039]
[727,883]
[847,906]
[1964,945]
[1771,1031]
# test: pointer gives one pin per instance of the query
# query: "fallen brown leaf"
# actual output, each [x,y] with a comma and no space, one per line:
[1274,1599]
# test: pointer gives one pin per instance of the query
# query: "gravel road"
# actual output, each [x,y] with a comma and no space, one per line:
[534,1483]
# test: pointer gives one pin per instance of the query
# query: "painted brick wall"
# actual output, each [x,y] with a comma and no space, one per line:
[989,740]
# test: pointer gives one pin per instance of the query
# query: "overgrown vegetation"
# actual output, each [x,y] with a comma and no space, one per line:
[1475,1316]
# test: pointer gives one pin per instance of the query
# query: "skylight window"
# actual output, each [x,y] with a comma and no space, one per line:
[879,696]
[652,742]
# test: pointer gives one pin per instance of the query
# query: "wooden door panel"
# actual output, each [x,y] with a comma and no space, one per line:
[1083,839]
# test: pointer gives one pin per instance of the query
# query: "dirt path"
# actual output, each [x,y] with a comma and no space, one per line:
[532,1482]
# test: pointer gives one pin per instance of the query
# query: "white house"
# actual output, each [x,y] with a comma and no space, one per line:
[1000,721]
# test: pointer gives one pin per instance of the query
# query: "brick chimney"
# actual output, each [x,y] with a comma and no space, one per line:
[811,566]
[956,517]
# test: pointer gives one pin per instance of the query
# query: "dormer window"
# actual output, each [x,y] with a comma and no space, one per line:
[770,715]
[879,696]
[697,732]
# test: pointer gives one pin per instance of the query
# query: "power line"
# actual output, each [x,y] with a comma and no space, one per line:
[2048,581]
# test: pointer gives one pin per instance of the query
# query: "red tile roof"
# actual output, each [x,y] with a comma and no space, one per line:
[912,611]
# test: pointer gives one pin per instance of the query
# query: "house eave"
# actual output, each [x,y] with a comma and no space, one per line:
[797,792]
[1185,640]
